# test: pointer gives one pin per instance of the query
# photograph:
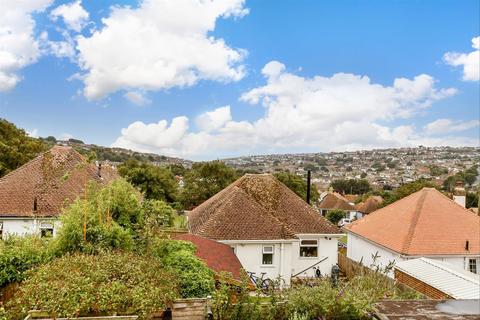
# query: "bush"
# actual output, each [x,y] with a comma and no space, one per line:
[104,284]
[19,254]
[335,215]
[196,279]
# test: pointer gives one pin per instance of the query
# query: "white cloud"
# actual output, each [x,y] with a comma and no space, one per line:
[33,133]
[214,120]
[469,61]
[344,111]
[18,45]
[137,98]
[444,126]
[73,14]
[159,45]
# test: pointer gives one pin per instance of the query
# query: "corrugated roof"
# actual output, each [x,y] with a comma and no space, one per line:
[257,207]
[424,223]
[458,284]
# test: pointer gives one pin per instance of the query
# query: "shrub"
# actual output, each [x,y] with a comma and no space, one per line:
[103,284]
[196,279]
[18,254]
[335,215]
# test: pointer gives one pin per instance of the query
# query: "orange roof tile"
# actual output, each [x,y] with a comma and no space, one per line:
[425,223]
[256,207]
[54,178]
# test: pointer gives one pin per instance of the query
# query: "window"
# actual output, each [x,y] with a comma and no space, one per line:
[1,230]
[309,248]
[46,230]
[472,265]
[267,255]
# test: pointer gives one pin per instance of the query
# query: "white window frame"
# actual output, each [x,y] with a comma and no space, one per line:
[271,251]
[308,246]
[46,225]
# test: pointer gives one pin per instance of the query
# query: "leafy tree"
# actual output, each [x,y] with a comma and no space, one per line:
[351,186]
[406,190]
[155,182]
[363,175]
[204,180]
[310,167]
[298,185]
[437,170]
[177,169]
[335,215]
[468,177]
[471,200]
[16,147]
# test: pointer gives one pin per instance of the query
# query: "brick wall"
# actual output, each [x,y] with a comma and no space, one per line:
[189,309]
[420,286]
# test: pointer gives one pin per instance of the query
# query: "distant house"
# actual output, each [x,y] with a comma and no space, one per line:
[32,196]
[270,229]
[371,204]
[423,224]
[334,200]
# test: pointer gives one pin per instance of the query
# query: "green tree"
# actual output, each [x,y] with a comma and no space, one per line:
[298,185]
[204,180]
[155,182]
[351,186]
[406,190]
[471,200]
[335,215]
[16,147]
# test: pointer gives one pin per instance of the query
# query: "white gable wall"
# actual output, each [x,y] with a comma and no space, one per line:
[25,226]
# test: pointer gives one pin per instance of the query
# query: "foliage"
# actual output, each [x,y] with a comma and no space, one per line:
[351,186]
[297,185]
[16,147]
[107,283]
[19,254]
[437,170]
[108,216]
[155,182]
[335,215]
[468,177]
[405,190]
[471,200]
[195,278]
[204,180]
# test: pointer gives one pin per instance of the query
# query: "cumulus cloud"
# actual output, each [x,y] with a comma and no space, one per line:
[470,62]
[73,14]
[444,126]
[137,97]
[344,111]
[159,45]
[18,45]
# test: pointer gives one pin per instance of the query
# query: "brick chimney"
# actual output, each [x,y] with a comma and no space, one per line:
[459,194]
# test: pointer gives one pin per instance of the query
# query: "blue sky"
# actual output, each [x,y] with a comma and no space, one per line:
[243,77]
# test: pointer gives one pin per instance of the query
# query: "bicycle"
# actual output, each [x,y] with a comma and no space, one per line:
[265,285]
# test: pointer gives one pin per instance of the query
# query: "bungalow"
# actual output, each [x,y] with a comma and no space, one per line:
[371,204]
[271,230]
[423,224]
[334,200]
[32,196]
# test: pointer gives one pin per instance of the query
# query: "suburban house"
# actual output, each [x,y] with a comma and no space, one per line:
[270,229]
[371,204]
[423,224]
[334,200]
[32,196]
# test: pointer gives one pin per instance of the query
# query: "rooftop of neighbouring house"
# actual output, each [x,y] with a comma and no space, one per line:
[218,256]
[257,207]
[425,223]
[335,201]
[44,185]
[371,204]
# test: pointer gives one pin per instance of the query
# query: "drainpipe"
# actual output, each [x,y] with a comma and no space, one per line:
[281,259]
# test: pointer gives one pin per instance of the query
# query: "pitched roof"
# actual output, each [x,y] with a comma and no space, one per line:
[335,201]
[424,223]
[218,256]
[52,179]
[257,207]
[371,204]
[457,283]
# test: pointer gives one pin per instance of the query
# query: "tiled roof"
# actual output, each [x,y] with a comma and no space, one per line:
[335,201]
[218,256]
[256,207]
[52,179]
[371,204]
[425,223]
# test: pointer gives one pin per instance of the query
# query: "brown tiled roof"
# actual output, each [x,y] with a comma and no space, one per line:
[351,197]
[54,178]
[371,204]
[425,223]
[218,256]
[256,207]
[335,201]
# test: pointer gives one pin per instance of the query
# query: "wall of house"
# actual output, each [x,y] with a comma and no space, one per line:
[327,247]
[25,226]
[363,251]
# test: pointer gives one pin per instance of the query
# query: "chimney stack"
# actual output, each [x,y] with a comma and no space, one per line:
[459,194]
[309,177]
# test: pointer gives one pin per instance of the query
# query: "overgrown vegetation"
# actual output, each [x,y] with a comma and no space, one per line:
[335,215]
[351,186]
[298,185]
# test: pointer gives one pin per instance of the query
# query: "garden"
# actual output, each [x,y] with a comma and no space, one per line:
[113,256]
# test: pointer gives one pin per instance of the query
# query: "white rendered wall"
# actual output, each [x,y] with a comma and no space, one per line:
[25,226]
[326,248]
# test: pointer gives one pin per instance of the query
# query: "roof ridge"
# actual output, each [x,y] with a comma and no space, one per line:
[416,217]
